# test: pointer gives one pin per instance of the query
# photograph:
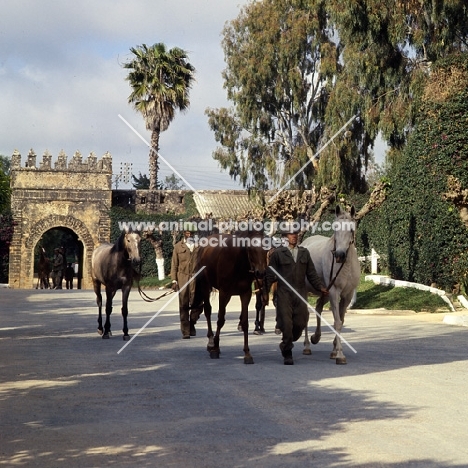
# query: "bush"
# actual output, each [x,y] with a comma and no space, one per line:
[418,227]
[6,233]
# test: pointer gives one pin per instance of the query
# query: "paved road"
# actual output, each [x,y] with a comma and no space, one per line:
[68,398]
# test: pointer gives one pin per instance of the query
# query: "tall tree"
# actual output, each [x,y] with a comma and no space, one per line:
[280,68]
[298,70]
[387,49]
[161,80]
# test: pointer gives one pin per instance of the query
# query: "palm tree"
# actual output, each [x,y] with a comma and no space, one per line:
[161,80]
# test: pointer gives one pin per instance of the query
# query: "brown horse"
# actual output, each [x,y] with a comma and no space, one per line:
[232,263]
[115,266]
[43,271]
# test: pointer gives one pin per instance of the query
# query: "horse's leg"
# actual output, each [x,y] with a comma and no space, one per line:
[315,338]
[245,300]
[260,314]
[125,294]
[239,325]
[307,351]
[207,310]
[338,347]
[107,325]
[223,301]
[337,304]
[97,290]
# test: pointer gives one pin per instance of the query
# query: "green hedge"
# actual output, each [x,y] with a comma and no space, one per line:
[422,233]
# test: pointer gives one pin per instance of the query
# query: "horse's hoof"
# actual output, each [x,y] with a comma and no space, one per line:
[306,351]
[341,360]
[257,332]
[105,336]
[248,360]
[214,354]
[126,337]
[100,331]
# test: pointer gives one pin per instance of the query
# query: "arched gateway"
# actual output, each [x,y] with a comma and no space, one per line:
[75,196]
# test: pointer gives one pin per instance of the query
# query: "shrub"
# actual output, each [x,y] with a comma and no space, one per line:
[418,227]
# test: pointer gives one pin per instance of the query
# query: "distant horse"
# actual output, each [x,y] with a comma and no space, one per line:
[43,271]
[232,263]
[114,266]
[337,264]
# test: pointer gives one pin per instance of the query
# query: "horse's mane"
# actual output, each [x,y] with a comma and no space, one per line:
[119,243]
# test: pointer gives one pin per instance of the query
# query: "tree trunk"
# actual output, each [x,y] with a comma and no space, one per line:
[327,197]
[158,251]
[376,198]
[153,160]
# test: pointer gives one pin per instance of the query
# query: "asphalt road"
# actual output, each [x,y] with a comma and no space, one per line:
[69,398]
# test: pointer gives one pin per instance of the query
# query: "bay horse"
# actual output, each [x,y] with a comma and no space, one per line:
[115,266]
[232,263]
[43,271]
[337,264]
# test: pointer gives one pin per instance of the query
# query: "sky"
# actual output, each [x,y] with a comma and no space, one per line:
[63,87]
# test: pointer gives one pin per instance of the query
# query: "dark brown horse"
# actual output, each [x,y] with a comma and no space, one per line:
[232,263]
[115,266]
[43,271]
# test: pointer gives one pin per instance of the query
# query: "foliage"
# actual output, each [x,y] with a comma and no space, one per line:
[141,182]
[387,49]
[280,65]
[5,190]
[419,227]
[298,70]
[160,80]
[6,234]
[173,182]
[5,164]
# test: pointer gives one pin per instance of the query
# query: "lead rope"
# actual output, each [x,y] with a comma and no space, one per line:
[145,296]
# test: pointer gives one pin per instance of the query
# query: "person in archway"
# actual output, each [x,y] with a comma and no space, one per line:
[69,274]
[57,269]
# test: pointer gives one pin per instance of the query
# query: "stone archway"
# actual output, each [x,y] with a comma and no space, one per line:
[75,195]
[54,221]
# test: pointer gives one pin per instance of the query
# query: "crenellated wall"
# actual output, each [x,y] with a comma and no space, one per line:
[72,194]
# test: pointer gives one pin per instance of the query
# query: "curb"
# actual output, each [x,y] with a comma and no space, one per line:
[459,320]
[377,279]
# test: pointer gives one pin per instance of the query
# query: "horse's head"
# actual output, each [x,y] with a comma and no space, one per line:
[131,245]
[344,228]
